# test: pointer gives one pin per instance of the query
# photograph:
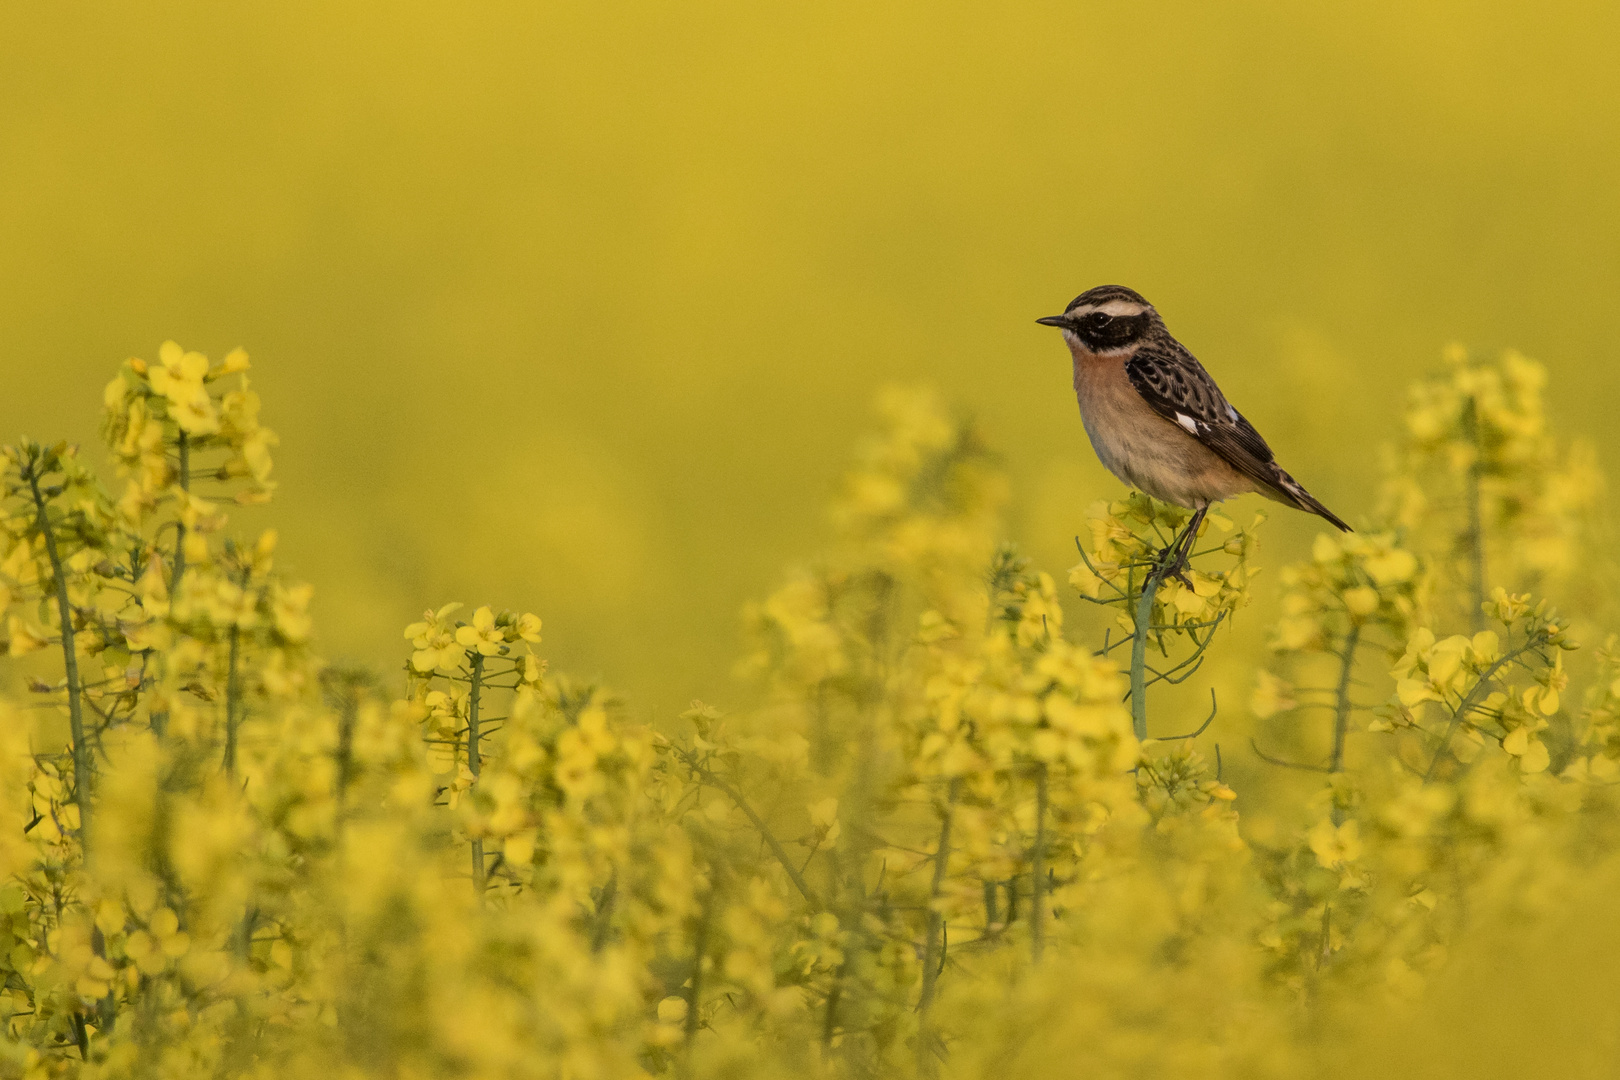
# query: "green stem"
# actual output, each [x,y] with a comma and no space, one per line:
[475,763]
[160,719]
[933,946]
[1139,638]
[233,693]
[244,933]
[603,922]
[348,717]
[1476,523]
[82,780]
[700,949]
[183,445]
[1037,914]
[1172,561]
[1341,712]
[829,1016]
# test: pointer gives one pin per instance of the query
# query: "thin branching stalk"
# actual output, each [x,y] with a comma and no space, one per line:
[1037,914]
[1180,672]
[1480,690]
[475,688]
[1214,707]
[82,781]
[1269,760]
[758,822]
[933,947]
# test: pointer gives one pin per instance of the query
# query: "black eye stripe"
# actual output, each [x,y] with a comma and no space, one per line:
[1101,330]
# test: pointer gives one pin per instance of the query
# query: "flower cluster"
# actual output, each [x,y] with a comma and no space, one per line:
[1412,826]
[1596,756]
[1128,537]
[172,424]
[1457,694]
[1136,544]
[1345,615]
[1482,482]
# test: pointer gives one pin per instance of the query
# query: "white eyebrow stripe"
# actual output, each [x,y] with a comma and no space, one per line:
[1187,422]
[1112,307]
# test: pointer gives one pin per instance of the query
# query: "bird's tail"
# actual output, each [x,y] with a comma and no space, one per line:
[1292,492]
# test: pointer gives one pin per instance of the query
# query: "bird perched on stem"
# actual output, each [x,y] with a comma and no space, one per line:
[1156,418]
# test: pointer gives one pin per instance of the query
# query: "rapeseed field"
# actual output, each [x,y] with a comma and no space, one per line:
[648,607]
[950,836]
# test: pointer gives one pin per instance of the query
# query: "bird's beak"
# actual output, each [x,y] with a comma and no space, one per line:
[1060,321]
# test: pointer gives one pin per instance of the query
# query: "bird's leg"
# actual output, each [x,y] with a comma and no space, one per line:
[1169,567]
[1166,563]
[1190,538]
[1182,546]
[1163,561]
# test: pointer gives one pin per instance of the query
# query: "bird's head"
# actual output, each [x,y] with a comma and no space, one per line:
[1107,319]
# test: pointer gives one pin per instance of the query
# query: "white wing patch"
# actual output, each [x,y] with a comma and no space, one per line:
[1231,412]
[1187,422]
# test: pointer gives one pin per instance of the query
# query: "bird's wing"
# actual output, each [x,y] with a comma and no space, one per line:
[1176,386]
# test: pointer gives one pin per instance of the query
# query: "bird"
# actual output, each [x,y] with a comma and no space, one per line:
[1156,418]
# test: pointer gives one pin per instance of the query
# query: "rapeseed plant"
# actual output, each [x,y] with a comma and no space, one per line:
[939,835]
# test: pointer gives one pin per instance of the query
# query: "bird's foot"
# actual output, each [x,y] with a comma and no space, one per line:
[1172,562]
[1182,546]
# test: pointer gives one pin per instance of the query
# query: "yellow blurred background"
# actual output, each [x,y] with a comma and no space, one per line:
[578,307]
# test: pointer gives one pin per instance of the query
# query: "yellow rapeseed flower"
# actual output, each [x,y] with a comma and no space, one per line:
[482,635]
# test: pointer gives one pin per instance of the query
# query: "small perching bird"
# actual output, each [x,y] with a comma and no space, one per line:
[1156,418]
